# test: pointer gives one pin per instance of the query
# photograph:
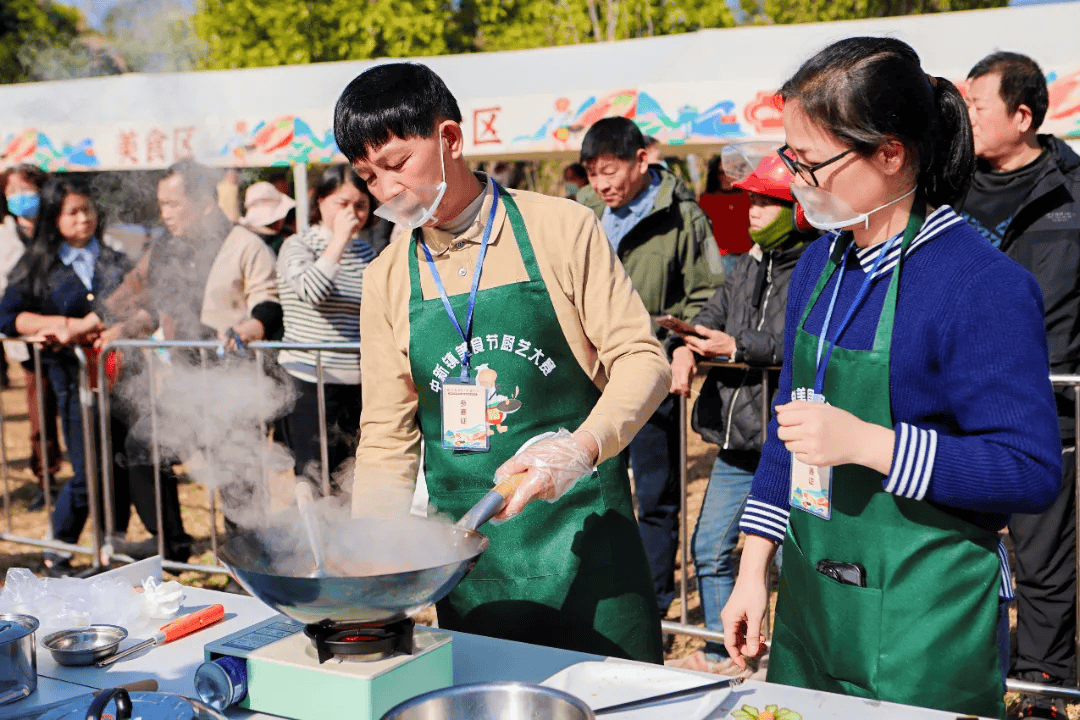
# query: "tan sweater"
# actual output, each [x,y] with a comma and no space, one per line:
[600,313]
[242,275]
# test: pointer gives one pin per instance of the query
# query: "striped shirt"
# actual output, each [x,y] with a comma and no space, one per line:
[321,303]
[971,403]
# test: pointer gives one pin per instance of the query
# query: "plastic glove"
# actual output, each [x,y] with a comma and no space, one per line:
[554,462]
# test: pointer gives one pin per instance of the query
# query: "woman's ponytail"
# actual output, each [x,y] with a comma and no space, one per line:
[867,91]
[946,174]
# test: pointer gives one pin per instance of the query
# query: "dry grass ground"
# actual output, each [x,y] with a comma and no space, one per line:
[194,501]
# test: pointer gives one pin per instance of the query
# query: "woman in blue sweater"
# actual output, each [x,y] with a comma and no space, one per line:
[914,412]
[56,293]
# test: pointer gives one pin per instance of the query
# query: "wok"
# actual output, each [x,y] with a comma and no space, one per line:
[387,569]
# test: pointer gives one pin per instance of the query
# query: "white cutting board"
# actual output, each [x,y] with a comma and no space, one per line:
[601,684]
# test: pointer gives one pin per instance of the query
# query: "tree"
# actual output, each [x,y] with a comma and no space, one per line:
[247,33]
[153,35]
[524,24]
[253,33]
[256,33]
[786,12]
[29,28]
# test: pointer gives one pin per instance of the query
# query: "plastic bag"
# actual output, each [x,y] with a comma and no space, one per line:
[63,603]
[162,600]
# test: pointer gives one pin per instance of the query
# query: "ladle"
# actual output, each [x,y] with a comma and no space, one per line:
[305,503]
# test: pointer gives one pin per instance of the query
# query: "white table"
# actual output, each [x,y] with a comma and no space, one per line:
[597,680]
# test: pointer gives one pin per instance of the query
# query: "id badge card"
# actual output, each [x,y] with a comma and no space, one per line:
[811,486]
[464,415]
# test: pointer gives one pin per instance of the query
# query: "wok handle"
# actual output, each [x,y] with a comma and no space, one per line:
[491,503]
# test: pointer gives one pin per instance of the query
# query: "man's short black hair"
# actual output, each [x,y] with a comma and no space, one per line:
[402,100]
[1022,82]
[200,182]
[616,136]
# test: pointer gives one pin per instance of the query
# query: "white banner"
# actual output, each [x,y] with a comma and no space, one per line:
[703,88]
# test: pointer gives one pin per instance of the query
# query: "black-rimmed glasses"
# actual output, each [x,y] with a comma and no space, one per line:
[806,172]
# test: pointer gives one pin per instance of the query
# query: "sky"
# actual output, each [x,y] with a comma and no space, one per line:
[95,10]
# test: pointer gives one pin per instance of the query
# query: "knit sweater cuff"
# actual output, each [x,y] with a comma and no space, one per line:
[766,520]
[914,450]
[327,267]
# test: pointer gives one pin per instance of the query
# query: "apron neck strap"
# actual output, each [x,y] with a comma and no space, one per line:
[916,220]
[517,223]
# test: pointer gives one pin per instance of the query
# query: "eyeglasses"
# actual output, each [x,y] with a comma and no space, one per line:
[806,172]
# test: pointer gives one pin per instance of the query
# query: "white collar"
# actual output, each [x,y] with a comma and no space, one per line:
[936,223]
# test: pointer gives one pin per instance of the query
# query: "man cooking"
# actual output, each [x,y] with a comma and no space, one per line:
[504,319]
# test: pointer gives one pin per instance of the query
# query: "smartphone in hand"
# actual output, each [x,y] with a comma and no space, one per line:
[676,325]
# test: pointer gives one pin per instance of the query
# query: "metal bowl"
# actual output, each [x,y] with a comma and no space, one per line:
[492,701]
[84,646]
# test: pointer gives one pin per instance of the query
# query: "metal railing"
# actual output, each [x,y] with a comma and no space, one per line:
[86,408]
[101,518]
[683,627]
[204,348]
[103,528]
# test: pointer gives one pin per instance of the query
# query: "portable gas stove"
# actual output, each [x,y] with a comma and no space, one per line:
[327,670]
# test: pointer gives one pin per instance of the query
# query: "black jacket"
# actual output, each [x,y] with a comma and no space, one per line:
[1044,237]
[65,294]
[750,306]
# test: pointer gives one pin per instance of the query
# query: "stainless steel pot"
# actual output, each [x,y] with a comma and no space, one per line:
[18,657]
[492,701]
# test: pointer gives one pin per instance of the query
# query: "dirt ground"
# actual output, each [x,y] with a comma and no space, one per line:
[20,487]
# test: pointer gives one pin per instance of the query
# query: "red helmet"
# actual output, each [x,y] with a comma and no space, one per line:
[771,178]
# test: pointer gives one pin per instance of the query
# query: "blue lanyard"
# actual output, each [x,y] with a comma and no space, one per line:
[860,297]
[475,284]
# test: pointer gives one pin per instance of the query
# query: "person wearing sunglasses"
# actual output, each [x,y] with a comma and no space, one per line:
[914,411]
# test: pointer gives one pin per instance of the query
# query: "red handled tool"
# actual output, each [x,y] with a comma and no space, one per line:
[173,631]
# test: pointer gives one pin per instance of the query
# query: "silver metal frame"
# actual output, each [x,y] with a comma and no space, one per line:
[1012,685]
[86,402]
[102,553]
[203,347]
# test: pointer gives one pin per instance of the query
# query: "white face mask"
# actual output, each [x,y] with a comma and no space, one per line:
[413,207]
[826,211]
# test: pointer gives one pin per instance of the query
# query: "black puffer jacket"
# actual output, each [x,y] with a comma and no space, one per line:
[749,306]
[1044,236]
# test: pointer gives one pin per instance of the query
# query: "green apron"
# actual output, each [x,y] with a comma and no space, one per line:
[570,574]
[923,630]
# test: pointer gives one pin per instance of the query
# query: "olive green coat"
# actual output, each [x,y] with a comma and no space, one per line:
[664,254]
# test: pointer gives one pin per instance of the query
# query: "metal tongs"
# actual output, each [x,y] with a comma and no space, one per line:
[688,692]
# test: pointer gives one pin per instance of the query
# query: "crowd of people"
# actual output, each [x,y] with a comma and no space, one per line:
[903,275]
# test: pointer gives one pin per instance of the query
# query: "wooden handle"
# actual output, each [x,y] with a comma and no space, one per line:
[195,621]
[507,487]
[148,685]
[491,503]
